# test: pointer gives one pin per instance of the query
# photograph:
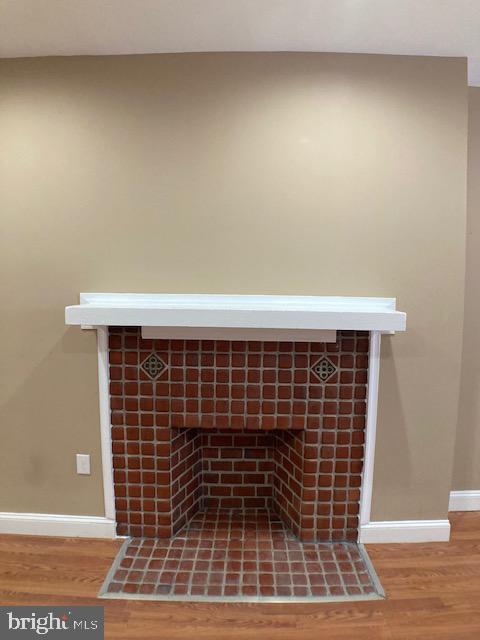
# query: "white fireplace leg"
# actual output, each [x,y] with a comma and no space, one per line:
[105,429]
[371,429]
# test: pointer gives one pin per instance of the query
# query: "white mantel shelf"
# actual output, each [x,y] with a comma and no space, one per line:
[292,314]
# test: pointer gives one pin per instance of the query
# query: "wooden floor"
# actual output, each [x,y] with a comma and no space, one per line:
[433,593]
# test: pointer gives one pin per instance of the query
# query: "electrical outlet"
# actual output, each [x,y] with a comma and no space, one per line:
[83,464]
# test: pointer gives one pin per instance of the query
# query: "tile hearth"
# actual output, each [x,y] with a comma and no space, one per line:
[244,555]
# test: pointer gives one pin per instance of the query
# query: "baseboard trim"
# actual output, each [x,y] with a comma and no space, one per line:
[47,524]
[464,501]
[405,531]
[390,531]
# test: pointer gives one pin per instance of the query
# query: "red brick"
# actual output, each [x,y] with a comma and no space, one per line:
[281,398]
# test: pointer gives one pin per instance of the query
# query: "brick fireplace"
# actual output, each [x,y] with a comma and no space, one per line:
[238,437]
[238,425]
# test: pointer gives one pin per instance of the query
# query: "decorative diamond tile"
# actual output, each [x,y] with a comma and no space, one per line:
[324,369]
[153,366]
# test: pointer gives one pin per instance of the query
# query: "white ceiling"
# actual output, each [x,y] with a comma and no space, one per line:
[100,27]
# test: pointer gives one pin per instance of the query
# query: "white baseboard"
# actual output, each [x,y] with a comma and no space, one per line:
[405,531]
[46,524]
[464,501]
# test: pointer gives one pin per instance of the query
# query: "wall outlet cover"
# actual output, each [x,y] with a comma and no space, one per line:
[83,464]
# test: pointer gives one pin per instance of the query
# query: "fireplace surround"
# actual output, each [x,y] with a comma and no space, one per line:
[240,405]
[235,425]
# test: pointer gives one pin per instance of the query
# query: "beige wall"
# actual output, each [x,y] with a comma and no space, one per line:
[233,173]
[466,470]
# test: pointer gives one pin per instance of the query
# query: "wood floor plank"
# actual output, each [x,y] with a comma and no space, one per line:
[433,594]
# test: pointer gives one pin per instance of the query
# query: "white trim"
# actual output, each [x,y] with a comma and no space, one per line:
[47,524]
[105,429]
[225,333]
[236,301]
[464,500]
[405,531]
[371,427]
[196,311]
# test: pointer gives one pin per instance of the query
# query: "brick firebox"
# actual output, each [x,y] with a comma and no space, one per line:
[234,425]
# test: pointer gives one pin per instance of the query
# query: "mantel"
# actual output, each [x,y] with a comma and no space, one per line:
[255,316]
